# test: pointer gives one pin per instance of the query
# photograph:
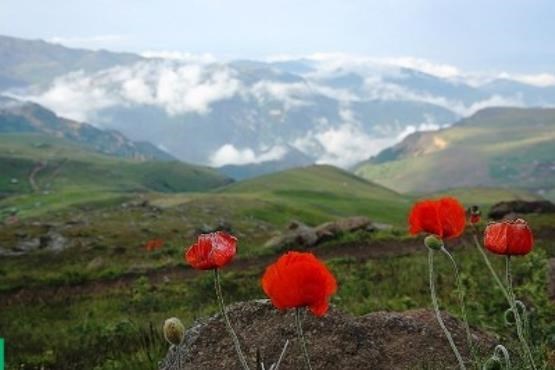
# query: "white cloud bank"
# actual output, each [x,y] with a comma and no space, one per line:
[175,87]
[228,154]
[182,83]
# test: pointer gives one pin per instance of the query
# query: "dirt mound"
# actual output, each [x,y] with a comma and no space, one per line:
[380,340]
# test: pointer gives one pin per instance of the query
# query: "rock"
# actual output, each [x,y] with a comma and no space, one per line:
[299,234]
[502,209]
[376,226]
[96,264]
[342,225]
[51,241]
[222,225]
[379,340]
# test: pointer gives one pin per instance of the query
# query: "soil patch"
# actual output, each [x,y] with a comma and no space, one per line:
[379,340]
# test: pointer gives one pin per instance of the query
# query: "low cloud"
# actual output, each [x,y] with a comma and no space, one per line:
[174,87]
[228,154]
[540,79]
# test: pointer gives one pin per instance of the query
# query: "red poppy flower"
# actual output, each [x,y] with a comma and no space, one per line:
[444,217]
[154,244]
[299,280]
[509,237]
[212,251]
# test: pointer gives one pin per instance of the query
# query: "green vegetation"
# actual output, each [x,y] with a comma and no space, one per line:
[502,147]
[104,297]
[324,192]
[45,173]
[120,328]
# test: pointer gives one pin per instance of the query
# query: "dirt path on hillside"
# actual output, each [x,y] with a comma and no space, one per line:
[360,251]
[38,167]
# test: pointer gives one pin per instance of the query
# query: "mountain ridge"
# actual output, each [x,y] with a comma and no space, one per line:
[495,147]
[20,116]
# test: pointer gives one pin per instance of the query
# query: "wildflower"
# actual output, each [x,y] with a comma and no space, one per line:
[444,217]
[510,238]
[474,214]
[174,331]
[154,244]
[212,251]
[299,280]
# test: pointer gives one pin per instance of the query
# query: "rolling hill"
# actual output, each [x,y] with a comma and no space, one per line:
[39,173]
[324,192]
[503,147]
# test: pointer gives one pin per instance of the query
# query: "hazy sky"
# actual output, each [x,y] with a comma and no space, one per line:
[508,35]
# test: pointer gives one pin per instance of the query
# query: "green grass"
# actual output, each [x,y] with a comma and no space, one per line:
[325,192]
[104,330]
[69,166]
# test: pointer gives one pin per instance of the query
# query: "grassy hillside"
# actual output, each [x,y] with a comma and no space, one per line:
[50,172]
[503,147]
[324,190]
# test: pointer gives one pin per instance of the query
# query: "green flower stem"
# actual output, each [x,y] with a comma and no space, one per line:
[300,334]
[438,313]
[490,267]
[235,339]
[518,321]
[461,302]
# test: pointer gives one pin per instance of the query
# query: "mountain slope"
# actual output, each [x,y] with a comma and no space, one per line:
[24,117]
[322,191]
[26,62]
[36,163]
[506,147]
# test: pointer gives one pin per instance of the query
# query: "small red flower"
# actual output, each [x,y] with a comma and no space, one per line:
[510,238]
[154,244]
[299,279]
[474,215]
[444,217]
[211,251]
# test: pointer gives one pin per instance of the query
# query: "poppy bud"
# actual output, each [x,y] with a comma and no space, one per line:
[174,331]
[433,242]
[509,237]
[474,214]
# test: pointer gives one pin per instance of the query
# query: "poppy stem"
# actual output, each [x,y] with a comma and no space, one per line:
[490,267]
[518,320]
[234,338]
[281,356]
[501,352]
[438,313]
[461,302]
[300,334]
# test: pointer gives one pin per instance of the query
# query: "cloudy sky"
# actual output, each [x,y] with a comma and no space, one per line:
[506,35]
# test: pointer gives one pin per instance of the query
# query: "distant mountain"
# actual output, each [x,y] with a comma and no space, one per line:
[27,62]
[25,117]
[332,109]
[293,158]
[506,147]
